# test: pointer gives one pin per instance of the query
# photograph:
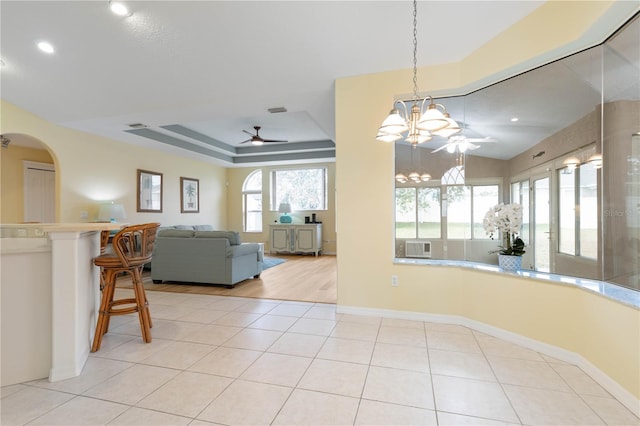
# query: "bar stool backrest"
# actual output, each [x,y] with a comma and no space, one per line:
[134,244]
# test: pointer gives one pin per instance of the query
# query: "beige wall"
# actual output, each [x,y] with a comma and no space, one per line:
[236,178]
[91,169]
[12,180]
[604,332]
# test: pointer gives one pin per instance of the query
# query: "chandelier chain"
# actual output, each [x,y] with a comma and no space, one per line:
[415,51]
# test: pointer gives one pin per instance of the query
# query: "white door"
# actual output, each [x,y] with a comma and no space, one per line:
[39,192]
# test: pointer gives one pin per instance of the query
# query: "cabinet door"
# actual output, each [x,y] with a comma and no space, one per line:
[305,239]
[280,239]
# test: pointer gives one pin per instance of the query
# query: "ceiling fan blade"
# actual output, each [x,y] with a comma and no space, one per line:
[248,140]
[273,140]
[481,140]
[440,149]
[247,132]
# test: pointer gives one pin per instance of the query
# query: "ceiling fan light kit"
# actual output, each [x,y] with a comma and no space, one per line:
[257,140]
[420,122]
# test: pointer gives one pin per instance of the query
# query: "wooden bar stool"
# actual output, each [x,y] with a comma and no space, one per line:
[132,249]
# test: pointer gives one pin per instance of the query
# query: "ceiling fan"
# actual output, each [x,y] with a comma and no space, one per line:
[257,139]
[462,144]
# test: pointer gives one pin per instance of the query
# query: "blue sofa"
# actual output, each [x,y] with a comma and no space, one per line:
[197,255]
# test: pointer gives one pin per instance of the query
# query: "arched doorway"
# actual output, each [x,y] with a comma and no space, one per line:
[28,181]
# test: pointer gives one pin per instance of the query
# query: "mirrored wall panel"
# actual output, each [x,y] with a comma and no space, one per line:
[560,144]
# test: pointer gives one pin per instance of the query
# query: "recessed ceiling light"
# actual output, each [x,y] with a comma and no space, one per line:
[119,8]
[46,47]
[514,119]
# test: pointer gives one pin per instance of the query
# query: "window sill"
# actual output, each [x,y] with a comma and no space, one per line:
[611,291]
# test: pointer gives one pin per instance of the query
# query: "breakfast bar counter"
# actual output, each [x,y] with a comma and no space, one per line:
[49,290]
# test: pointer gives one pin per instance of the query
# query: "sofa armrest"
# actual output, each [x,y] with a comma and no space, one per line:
[244,248]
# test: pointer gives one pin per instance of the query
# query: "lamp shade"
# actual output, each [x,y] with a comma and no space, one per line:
[284,208]
[432,119]
[451,129]
[111,212]
[394,123]
[388,137]
[571,163]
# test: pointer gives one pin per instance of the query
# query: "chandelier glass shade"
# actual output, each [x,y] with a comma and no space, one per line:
[414,177]
[415,120]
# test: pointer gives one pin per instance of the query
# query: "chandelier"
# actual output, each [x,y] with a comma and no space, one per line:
[420,121]
[414,176]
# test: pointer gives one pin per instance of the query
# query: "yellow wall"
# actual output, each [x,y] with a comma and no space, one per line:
[91,169]
[236,178]
[12,180]
[569,318]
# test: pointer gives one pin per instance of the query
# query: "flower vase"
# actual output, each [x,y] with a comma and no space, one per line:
[509,263]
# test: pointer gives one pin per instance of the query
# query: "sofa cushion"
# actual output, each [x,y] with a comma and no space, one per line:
[189,227]
[203,227]
[176,233]
[232,236]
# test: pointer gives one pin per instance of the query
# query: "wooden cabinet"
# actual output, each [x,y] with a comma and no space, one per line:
[305,238]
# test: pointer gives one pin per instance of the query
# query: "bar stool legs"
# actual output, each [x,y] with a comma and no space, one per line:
[132,249]
[109,306]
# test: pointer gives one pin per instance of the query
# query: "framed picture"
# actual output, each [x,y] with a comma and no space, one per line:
[189,195]
[149,191]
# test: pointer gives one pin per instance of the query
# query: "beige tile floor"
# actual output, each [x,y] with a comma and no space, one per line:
[236,361]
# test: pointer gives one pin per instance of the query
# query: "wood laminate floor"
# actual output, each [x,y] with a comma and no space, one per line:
[299,278]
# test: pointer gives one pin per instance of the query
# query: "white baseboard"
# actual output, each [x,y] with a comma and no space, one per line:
[618,392]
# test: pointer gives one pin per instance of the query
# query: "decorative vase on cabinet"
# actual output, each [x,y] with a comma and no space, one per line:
[509,262]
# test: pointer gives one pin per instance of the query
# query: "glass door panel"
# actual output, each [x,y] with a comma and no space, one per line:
[541,225]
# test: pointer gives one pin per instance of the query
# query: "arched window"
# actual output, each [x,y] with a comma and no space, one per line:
[252,202]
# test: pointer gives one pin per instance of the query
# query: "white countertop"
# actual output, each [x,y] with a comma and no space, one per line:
[66,227]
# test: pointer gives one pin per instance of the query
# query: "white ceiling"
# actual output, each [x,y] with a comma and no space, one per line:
[216,67]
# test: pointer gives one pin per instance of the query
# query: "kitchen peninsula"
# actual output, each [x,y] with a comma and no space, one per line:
[50,297]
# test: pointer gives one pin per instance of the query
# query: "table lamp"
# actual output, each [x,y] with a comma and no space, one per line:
[285,208]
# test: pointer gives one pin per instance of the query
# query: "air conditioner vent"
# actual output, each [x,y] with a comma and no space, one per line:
[417,248]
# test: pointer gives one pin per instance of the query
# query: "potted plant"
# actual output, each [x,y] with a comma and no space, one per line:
[506,219]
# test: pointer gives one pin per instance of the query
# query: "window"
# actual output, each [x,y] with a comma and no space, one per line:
[578,207]
[429,213]
[466,207]
[418,213]
[252,202]
[459,212]
[567,211]
[483,198]
[587,214]
[406,213]
[520,195]
[304,189]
